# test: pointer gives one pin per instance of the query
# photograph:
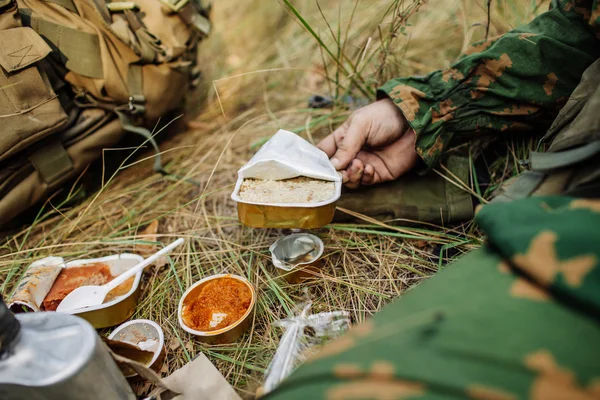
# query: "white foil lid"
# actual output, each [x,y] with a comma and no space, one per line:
[285,156]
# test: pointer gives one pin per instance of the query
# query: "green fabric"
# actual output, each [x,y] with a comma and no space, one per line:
[52,162]
[426,198]
[565,158]
[515,319]
[555,241]
[523,186]
[516,82]
[79,50]
[572,124]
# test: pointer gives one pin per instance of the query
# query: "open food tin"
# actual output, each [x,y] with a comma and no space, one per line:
[297,256]
[146,335]
[41,275]
[227,334]
[287,156]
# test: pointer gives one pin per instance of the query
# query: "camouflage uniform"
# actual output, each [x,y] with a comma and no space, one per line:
[515,82]
[515,319]
[518,81]
[519,317]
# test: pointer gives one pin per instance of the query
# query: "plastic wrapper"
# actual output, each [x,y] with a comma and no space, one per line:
[35,284]
[295,341]
[285,156]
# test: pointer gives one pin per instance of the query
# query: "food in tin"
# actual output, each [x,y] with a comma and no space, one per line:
[295,190]
[71,278]
[219,303]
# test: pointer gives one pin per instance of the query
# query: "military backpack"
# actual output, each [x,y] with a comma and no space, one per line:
[77,75]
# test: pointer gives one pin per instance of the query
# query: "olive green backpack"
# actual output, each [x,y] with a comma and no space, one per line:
[77,75]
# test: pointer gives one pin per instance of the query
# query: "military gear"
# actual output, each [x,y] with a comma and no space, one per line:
[515,82]
[570,165]
[477,95]
[519,317]
[515,319]
[77,76]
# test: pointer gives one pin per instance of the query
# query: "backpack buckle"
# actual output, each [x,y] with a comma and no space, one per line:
[135,105]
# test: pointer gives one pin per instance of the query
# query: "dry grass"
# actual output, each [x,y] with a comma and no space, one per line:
[261,65]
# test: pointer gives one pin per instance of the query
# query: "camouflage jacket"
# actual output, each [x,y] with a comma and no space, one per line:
[514,82]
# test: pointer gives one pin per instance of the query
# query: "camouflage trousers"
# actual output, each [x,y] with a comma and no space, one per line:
[414,197]
[518,318]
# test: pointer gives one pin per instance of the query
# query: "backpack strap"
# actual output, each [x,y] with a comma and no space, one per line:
[52,162]
[192,13]
[522,187]
[543,164]
[129,126]
[560,159]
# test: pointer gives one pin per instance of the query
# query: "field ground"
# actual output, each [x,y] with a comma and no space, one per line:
[260,67]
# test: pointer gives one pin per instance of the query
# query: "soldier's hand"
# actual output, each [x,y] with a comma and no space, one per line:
[374,145]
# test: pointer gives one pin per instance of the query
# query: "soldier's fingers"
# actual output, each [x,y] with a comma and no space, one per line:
[344,176]
[368,175]
[349,139]
[328,145]
[355,173]
[381,172]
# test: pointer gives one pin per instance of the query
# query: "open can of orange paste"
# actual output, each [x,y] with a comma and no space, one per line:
[297,256]
[289,183]
[217,309]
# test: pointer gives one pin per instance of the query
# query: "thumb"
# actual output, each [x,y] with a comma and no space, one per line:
[349,140]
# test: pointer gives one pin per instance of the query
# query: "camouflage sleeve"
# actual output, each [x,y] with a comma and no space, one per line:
[515,319]
[517,81]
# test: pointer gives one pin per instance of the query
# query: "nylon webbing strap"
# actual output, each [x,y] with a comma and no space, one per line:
[192,13]
[565,158]
[52,162]
[522,187]
[80,51]
[145,133]
[191,17]
[135,81]
[68,4]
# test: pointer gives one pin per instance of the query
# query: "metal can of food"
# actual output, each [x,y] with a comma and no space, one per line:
[145,335]
[221,332]
[297,256]
[288,183]
[40,277]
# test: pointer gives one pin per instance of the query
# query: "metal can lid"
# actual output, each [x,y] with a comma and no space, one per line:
[296,249]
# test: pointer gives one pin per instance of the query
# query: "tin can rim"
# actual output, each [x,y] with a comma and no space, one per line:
[114,257]
[338,193]
[315,238]
[161,335]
